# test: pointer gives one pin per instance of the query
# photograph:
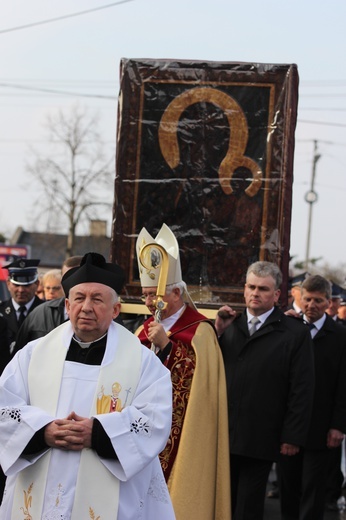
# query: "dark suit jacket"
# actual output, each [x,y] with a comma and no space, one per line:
[41,321]
[329,410]
[270,379]
[8,312]
[4,346]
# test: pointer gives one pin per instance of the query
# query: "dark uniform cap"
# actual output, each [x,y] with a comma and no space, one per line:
[94,268]
[297,281]
[23,271]
[336,291]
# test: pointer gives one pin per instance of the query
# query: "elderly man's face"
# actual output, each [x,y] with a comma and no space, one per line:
[173,300]
[22,294]
[91,308]
[314,304]
[52,288]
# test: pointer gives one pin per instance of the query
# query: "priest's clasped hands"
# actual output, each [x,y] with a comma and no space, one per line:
[72,433]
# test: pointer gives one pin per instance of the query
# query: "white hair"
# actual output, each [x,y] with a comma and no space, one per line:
[114,295]
[53,273]
[179,285]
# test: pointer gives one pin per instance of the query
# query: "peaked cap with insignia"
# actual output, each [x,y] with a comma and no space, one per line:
[23,271]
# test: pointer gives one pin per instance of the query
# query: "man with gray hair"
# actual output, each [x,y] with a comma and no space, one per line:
[269,371]
[187,345]
[303,478]
[85,410]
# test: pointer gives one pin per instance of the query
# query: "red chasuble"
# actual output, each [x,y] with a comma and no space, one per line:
[195,460]
[182,363]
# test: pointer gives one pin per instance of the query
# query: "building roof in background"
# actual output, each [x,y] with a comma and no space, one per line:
[50,248]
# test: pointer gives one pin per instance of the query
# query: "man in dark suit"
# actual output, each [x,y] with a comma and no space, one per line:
[47,316]
[22,283]
[335,477]
[4,350]
[303,477]
[269,370]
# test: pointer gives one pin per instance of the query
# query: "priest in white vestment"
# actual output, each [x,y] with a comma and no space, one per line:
[84,413]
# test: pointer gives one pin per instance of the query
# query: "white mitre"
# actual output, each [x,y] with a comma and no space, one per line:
[165,238]
[149,273]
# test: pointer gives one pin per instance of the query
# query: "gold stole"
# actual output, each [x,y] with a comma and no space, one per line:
[207,406]
[44,380]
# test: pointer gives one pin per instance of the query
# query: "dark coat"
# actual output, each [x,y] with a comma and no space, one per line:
[4,346]
[340,321]
[270,382]
[329,410]
[38,323]
[8,312]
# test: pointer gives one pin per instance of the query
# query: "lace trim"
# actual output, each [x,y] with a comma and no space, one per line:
[141,427]
[14,414]
[158,489]
[55,503]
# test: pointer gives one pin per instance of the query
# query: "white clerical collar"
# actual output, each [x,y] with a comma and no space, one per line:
[86,344]
[168,323]
[27,305]
[318,324]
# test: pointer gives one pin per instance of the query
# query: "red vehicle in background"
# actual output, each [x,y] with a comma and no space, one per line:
[4,294]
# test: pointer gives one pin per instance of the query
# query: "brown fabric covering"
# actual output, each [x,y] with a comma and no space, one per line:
[206,148]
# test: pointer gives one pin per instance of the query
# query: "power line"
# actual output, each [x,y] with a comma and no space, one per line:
[324,83]
[53,91]
[23,140]
[334,143]
[107,83]
[100,96]
[58,18]
[113,86]
[322,95]
[321,123]
[322,109]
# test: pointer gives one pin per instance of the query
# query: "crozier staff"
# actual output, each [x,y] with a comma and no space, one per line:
[64,457]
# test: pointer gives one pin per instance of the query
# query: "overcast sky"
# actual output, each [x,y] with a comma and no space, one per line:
[81,55]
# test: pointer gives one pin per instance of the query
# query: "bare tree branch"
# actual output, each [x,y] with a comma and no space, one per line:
[71,176]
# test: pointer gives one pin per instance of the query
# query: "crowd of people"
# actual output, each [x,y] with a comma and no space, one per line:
[182,418]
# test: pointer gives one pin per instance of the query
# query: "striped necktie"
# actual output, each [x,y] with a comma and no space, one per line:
[253,327]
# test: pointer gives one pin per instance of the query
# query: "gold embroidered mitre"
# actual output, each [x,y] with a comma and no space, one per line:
[150,274]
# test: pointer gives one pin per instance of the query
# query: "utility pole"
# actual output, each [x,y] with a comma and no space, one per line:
[311,197]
